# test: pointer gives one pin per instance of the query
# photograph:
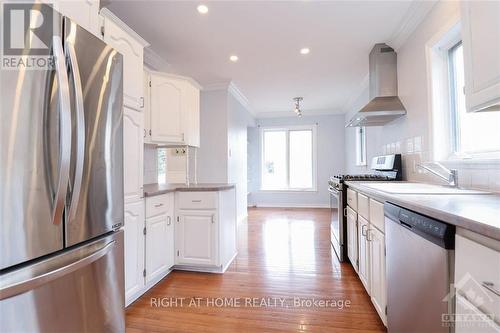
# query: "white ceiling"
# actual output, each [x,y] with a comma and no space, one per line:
[267,37]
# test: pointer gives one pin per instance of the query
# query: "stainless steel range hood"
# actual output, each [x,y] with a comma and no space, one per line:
[384,105]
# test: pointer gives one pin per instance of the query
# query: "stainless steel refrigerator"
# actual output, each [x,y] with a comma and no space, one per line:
[61,187]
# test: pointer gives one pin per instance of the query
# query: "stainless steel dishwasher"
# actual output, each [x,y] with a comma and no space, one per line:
[419,267]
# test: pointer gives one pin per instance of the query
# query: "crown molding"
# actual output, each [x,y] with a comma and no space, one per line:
[414,16]
[233,89]
[236,92]
[110,15]
[306,113]
[154,61]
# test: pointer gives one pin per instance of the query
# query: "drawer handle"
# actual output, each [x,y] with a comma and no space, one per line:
[195,200]
[491,287]
[158,205]
[368,234]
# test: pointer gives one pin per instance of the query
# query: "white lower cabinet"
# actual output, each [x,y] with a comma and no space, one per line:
[363,253]
[196,235]
[378,284]
[205,230]
[352,237]
[134,250]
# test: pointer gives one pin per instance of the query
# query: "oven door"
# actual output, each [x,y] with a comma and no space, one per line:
[337,225]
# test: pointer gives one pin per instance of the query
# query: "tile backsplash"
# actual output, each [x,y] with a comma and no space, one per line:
[150,164]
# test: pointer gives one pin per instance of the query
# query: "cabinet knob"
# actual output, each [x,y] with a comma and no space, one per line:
[169,220]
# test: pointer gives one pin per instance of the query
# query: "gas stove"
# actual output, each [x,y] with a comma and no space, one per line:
[384,168]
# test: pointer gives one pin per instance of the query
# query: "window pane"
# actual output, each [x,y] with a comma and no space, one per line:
[274,164]
[301,159]
[477,132]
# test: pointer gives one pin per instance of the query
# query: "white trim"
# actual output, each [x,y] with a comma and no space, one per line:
[305,113]
[314,130]
[236,92]
[110,15]
[153,61]
[415,15]
[289,205]
[178,77]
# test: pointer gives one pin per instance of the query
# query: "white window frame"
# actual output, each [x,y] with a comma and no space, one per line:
[287,129]
[441,124]
[361,146]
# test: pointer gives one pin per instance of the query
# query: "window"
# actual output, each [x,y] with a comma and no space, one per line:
[162,165]
[360,146]
[289,158]
[471,133]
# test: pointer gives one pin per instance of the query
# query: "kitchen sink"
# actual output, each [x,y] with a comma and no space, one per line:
[418,188]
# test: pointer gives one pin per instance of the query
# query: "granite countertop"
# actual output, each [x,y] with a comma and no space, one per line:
[157,189]
[476,212]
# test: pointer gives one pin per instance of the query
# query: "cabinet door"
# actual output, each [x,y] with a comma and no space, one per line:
[134,250]
[363,253]
[157,246]
[132,52]
[170,249]
[481,33]
[133,146]
[83,12]
[196,238]
[352,238]
[376,240]
[166,109]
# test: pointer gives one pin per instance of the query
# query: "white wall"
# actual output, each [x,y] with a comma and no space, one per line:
[330,161]
[222,156]
[212,154]
[415,126]
[150,165]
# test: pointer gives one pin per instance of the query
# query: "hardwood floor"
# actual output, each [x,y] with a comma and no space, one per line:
[283,253]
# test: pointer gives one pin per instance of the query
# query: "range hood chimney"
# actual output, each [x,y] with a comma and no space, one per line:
[384,105]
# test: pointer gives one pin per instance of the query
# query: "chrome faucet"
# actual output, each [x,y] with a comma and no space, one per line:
[450,175]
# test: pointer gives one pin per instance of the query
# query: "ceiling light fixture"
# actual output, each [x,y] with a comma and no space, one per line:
[202,9]
[297,110]
[233,58]
[304,50]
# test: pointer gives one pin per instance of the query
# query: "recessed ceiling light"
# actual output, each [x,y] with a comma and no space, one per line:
[304,50]
[233,58]
[202,9]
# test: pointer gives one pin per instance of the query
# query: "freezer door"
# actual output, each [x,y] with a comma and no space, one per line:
[81,290]
[95,195]
[34,153]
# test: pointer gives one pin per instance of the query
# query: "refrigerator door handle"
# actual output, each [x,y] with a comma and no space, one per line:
[80,128]
[65,128]
[18,287]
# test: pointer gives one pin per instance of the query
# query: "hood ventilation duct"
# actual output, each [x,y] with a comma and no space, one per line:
[384,105]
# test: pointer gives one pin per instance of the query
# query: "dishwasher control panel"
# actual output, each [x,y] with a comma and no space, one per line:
[436,231]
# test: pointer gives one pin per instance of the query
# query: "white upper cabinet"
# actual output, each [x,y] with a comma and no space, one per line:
[480,37]
[84,12]
[131,46]
[172,109]
[133,171]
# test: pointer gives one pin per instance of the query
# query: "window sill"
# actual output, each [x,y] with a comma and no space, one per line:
[288,190]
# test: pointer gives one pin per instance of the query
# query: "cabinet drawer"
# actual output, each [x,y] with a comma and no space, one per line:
[377,215]
[477,271]
[363,206]
[156,205]
[197,200]
[352,199]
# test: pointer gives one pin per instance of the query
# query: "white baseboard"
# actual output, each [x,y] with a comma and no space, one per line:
[289,205]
